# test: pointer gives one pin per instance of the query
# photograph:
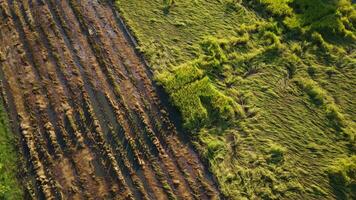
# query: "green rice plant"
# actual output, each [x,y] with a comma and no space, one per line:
[333,113]
[342,174]
[319,40]
[216,56]
[311,70]
[214,148]
[180,77]
[335,117]
[278,7]
[316,190]
[200,103]
[213,56]
[327,17]
[232,5]
[296,48]
[274,40]
[316,94]
[276,154]
[167,5]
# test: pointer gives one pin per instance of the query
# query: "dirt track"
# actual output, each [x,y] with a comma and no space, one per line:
[89,118]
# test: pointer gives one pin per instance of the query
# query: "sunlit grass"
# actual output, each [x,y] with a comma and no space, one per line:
[9,186]
[283,73]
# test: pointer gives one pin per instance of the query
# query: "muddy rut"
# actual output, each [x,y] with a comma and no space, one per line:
[90,122]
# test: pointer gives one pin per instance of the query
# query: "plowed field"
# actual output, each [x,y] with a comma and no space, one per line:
[89,118]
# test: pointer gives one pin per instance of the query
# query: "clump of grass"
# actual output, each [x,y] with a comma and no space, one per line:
[333,113]
[316,190]
[193,91]
[199,101]
[275,42]
[276,154]
[9,186]
[331,71]
[342,176]
[167,5]
[319,40]
[232,5]
[278,7]
[180,77]
[214,146]
[327,17]
[316,94]
[311,70]
[296,48]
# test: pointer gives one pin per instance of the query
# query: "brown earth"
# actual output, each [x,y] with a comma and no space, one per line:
[90,122]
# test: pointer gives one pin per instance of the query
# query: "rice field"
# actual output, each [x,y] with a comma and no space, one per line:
[88,116]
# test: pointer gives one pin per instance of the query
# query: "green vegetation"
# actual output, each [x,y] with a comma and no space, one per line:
[328,17]
[333,113]
[343,177]
[9,187]
[199,101]
[265,88]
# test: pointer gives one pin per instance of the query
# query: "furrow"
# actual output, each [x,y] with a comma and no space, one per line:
[91,91]
[135,76]
[129,140]
[72,125]
[38,62]
[30,151]
[108,112]
[98,36]
[7,28]
[126,139]
[32,103]
[157,113]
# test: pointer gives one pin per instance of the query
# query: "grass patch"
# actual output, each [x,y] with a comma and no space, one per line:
[328,17]
[198,100]
[343,177]
[333,113]
[276,154]
[9,186]
[280,74]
